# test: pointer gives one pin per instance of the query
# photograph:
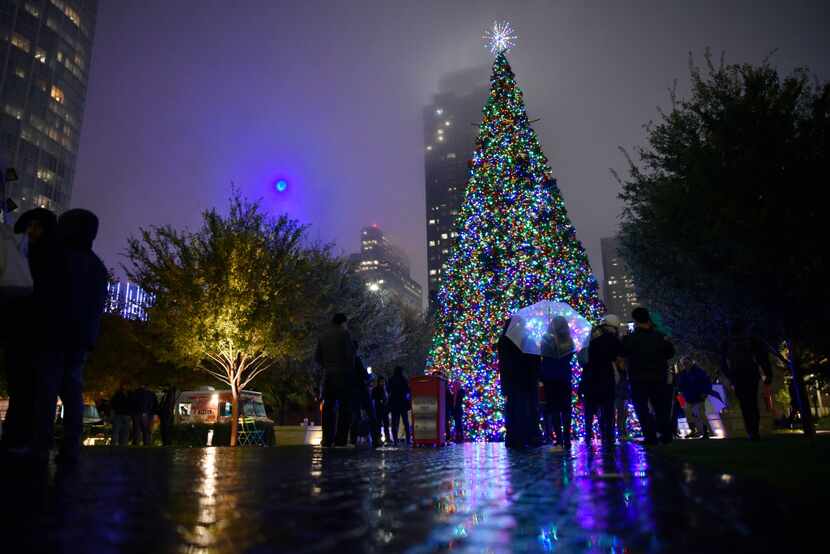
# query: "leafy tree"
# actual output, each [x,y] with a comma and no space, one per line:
[124,353]
[724,209]
[228,297]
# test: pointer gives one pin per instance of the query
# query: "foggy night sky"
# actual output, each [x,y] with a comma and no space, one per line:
[186,96]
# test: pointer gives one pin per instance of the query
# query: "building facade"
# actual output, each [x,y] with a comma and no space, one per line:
[620,294]
[46,53]
[385,268]
[450,129]
[127,300]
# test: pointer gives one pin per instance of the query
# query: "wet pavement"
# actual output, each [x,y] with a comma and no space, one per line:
[466,498]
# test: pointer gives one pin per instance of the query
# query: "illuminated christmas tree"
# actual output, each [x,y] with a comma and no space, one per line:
[515,246]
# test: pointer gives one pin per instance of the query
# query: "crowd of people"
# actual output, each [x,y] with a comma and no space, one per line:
[48,330]
[357,407]
[133,413]
[618,368]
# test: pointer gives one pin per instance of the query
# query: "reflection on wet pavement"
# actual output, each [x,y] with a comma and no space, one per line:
[470,498]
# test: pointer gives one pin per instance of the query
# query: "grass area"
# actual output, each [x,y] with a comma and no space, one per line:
[789,463]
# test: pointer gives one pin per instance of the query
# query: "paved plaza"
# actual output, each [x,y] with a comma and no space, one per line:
[465,498]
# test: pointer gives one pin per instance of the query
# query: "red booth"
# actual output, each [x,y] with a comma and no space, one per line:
[429,409]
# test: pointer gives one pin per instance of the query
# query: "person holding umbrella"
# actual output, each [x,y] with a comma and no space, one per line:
[557,351]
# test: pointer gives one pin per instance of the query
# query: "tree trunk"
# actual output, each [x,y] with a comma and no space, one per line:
[234,413]
[802,400]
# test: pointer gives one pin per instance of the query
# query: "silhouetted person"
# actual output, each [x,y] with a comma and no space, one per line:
[647,353]
[121,418]
[363,412]
[22,320]
[557,352]
[166,411]
[695,386]
[744,358]
[599,378]
[458,411]
[449,405]
[336,356]
[399,398]
[516,406]
[380,398]
[79,291]
[144,407]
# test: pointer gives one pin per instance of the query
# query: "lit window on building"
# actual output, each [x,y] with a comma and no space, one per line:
[57,94]
[40,55]
[21,42]
[32,10]
[443,235]
[20,72]
[451,156]
[68,11]
[45,175]
[433,272]
[13,111]
[433,221]
[432,243]
[429,147]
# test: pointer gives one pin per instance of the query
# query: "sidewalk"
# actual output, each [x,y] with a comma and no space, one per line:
[467,498]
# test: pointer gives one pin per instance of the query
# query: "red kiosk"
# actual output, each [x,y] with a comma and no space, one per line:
[429,405]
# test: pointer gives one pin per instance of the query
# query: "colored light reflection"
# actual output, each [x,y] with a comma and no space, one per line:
[281,185]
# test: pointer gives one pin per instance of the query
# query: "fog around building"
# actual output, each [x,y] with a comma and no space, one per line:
[187,98]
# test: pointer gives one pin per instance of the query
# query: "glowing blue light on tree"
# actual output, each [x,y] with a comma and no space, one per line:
[281,185]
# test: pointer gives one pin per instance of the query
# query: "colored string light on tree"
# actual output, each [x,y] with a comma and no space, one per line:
[515,247]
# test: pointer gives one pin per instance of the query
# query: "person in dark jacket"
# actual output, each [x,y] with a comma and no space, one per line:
[558,349]
[599,378]
[336,356]
[363,411]
[515,403]
[399,402]
[121,417]
[144,406]
[22,320]
[647,353]
[78,290]
[166,411]
[744,360]
[380,399]
[695,386]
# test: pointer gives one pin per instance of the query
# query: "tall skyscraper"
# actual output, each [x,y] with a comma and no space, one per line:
[46,52]
[450,128]
[385,268]
[620,294]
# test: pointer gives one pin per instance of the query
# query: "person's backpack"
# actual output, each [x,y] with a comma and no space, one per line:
[15,277]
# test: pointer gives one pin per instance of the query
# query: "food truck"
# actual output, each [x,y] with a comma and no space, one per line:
[208,405]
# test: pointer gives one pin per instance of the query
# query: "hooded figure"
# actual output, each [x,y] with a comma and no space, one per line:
[76,296]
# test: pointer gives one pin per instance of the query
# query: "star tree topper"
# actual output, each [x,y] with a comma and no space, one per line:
[500,38]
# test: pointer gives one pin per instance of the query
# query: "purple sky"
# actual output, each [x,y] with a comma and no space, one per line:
[186,97]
